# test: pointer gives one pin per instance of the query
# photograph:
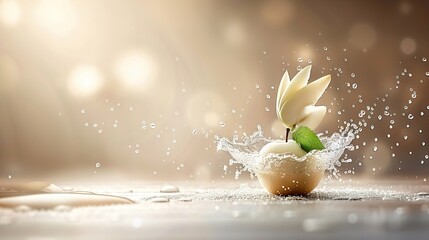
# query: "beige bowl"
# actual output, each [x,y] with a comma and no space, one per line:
[291,177]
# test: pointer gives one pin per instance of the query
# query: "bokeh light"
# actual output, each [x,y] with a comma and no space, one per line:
[203,110]
[212,119]
[235,33]
[277,13]
[305,53]
[85,81]
[96,70]
[362,36]
[10,13]
[57,17]
[408,46]
[405,7]
[136,70]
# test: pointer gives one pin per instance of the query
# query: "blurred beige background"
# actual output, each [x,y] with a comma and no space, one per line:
[138,89]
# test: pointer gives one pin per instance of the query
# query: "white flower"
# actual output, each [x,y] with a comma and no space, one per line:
[296,100]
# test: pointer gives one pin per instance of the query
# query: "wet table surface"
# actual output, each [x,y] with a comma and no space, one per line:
[233,210]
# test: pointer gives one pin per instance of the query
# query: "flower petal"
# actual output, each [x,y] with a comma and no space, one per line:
[282,87]
[292,111]
[299,81]
[314,115]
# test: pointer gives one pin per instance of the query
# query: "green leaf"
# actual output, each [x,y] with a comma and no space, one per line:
[307,139]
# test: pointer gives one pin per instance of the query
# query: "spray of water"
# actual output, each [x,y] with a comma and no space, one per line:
[245,150]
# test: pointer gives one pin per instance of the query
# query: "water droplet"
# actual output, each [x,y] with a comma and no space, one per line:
[410,116]
[22,209]
[62,208]
[325,48]
[375,148]
[424,59]
[423,194]
[169,189]
[82,111]
[152,125]
[390,199]
[354,86]
[267,109]
[100,131]
[222,124]
[185,199]
[159,200]
[194,131]
[268,96]
[427,74]
[353,75]
[257,85]
[300,59]
[97,165]
[67,188]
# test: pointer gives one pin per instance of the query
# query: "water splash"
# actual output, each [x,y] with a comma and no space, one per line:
[245,151]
